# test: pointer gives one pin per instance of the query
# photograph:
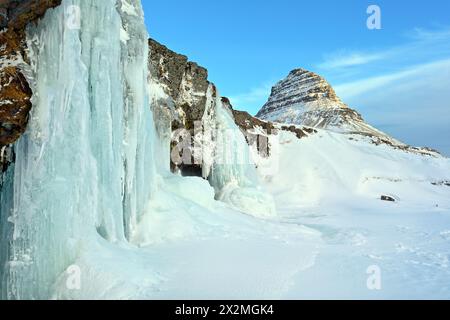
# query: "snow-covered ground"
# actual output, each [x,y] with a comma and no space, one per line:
[91,191]
[332,228]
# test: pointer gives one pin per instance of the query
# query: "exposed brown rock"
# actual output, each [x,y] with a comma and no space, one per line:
[248,123]
[15,93]
[7,156]
[15,105]
[186,87]
[21,12]
[184,81]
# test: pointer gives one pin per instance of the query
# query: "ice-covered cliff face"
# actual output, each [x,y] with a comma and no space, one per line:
[198,133]
[180,93]
[84,168]
[184,81]
[92,171]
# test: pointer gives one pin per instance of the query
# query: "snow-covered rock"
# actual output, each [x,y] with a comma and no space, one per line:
[306,99]
[15,92]
[198,132]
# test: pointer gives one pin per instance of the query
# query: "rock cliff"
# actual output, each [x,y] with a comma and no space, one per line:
[15,93]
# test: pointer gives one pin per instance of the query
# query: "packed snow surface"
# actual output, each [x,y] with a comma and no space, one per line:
[331,229]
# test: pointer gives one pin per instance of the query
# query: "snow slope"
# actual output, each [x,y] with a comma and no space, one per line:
[331,228]
[332,183]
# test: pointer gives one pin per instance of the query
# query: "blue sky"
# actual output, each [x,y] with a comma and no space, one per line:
[397,77]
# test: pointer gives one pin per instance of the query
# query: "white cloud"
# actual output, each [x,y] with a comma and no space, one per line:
[413,104]
[421,34]
[413,73]
[403,90]
[344,60]
[422,45]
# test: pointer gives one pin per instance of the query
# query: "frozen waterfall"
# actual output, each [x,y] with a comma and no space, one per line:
[233,172]
[85,166]
[90,165]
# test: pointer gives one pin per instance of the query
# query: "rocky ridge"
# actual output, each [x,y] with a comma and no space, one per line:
[257,131]
[184,81]
[184,96]
[15,93]
[189,97]
[306,99]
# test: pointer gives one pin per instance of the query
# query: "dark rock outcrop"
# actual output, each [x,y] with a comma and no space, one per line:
[15,93]
[7,157]
[252,126]
[387,198]
[187,93]
[441,183]
[184,81]
[182,104]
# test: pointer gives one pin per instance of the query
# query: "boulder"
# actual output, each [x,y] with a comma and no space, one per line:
[388,198]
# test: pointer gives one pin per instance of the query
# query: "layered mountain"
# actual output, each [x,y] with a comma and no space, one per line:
[304,98]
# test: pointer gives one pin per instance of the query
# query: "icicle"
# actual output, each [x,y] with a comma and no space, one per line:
[85,167]
[233,174]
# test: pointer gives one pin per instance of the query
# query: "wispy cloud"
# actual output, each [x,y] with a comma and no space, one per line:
[345,59]
[421,34]
[416,73]
[420,45]
[256,95]
[403,89]
[413,104]
[427,53]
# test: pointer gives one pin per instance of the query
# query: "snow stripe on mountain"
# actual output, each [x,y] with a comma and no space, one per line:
[306,99]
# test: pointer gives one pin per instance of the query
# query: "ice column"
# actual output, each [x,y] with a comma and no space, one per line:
[85,166]
[233,174]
